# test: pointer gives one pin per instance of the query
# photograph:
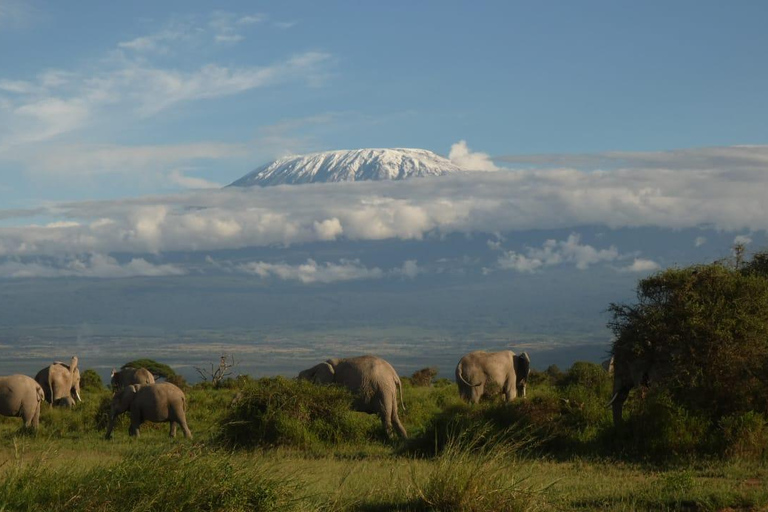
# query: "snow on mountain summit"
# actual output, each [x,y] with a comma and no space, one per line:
[350,165]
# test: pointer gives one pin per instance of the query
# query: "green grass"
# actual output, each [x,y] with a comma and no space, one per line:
[490,460]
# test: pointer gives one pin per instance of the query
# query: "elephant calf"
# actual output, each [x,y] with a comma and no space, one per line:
[373,381]
[157,403]
[505,369]
[21,396]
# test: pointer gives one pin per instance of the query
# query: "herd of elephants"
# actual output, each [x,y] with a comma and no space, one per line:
[372,380]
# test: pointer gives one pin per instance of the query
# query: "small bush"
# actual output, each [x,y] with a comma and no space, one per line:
[660,430]
[424,376]
[744,436]
[157,369]
[178,380]
[91,381]
[282,412]
[473,474]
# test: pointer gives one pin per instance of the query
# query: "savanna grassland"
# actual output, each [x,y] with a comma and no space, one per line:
[289,445]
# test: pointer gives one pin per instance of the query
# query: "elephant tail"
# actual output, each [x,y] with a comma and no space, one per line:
[462,379]
[50,382]
[40,393]
[399,384]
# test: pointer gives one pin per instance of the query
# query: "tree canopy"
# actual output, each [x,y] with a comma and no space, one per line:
[704,328]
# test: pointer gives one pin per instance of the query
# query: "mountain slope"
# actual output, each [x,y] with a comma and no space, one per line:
[349,165]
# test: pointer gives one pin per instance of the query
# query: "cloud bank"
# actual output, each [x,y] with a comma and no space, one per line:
[493,202]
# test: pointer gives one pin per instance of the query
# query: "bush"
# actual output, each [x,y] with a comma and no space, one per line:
[744,436]
[660,430]
[699,333]
[473,474]
[179,381]
[91,381]
[424,376]
[282,412]
[157,369]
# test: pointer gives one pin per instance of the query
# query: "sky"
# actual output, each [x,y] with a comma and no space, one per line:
[110,101]
[608,140]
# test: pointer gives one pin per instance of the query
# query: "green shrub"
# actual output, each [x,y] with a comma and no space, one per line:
[178,380]
[423,377]
[660,430]
[157,369]
[91,381]
[744,436]
[282,412]
[473,474]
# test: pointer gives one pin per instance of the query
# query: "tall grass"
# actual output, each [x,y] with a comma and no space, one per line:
[182,479]
[476,473]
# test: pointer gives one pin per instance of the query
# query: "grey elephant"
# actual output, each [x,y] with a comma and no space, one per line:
[504,369]
[59,382]
[372,380]
[129,376]
[629,371]
[158,403]
[21,396]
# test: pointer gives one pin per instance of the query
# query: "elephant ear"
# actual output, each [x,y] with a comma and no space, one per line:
[522,367]
[325,373]
[73,365]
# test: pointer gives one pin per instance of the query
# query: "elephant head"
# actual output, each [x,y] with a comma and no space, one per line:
[323,373]
[74,373]
[522,370]
[121,402]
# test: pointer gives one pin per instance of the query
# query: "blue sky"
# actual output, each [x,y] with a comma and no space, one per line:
[103,101]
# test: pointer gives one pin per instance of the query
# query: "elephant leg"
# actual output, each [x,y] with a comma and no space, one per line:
[618,404]
[398,426]
[173,428]
[133,430]
[476,394]
[180,417]
[385,413]
[510,391]
[36,417]
[110,427]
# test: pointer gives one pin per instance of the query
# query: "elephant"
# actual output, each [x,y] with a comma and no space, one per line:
[504,369]
[629,371]
[128,376]
[60,381]
[21,396]
[373,381]
[157,403]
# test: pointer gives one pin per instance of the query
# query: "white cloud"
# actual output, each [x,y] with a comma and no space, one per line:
[700,240]
[128,81]
[642,265]
[410,269]
[462,156]
[742,239]
[495,202]
[554,252]
[90,265]
[312,272]
[177,177]
[69,160]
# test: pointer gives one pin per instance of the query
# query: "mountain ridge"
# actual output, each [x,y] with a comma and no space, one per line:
[368,164]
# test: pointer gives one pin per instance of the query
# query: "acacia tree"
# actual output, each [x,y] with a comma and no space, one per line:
[704,331]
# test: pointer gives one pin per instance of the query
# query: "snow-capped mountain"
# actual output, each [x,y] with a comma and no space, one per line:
[350,165]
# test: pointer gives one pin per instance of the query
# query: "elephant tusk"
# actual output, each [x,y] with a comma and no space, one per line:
[77,394]
[613,399]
